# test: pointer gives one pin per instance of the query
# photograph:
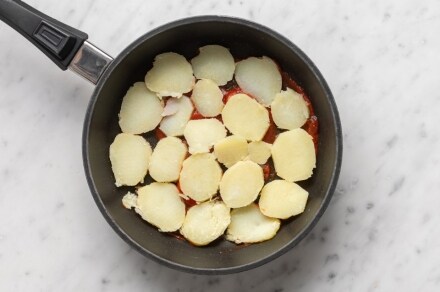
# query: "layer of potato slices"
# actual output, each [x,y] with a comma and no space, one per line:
[141,110]
[202,134]
[259,77]
[241,184]
[167,158]
[160,205]
[174,124]
[245,117]
[171,75]
[293,154]
[249,225]
[129,157]
[289,110]
[259,151]
[207,98]
[212,152]
[214,62]
[205,222]
[230,150]
[282,199]
[200,176]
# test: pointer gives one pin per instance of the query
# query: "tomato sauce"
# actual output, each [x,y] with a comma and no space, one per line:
[266,171]
[272,132]
[159,134]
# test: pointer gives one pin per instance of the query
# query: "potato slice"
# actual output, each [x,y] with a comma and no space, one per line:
[293,155]
[167,158]
[245,117]
[207,98]
[141,110]
[259,151]
[260,78]
[171,75]
[214,62]
[230,150]
[282,199]
[129,200]
[129,156]
[241,184]
[248,225]
[205,222]
[173,125]
[289,110]
[200,176]
[202,134]
[161,205]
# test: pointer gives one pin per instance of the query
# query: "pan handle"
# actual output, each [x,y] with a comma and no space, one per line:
[64,45]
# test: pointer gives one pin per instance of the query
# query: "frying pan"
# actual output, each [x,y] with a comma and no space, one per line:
[69,49]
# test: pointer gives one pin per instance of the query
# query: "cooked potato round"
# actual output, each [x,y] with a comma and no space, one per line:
[173,125]
[205,222]
[161,205]
[207,98]
[129,156]
[245,117]
[171,75]
[248,225]
[141,110]
[215,63]
[202,134]
[293,154]
[241,184]
[260,78]
[282,199]
[129,200]
[200,176]
[231,150]
[289,110]
[259,151]
[167,158]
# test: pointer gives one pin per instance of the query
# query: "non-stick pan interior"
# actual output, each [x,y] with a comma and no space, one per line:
[185,37]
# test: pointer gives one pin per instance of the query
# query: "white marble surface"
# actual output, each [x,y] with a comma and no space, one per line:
[382,61]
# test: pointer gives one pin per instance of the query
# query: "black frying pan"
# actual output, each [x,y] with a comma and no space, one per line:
[68,48]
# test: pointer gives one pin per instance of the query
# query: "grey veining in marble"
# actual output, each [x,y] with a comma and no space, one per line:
[380,232]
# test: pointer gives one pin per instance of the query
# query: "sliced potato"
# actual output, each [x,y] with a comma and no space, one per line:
[200,176]
[167,158]
[231,150]
[214,62]
[173,125]
[129,156]
[129,200]
[161,205]
[141,110]
[202,134]
[260,78]
[207,98]
[289,110]
[241,184]
[245,117]
[248,225]
[259,151]
[205,222]
[171,75]
[172,107]
[293,154]
[282,199]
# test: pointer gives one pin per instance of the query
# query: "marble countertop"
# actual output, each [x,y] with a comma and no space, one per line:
[382,62]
